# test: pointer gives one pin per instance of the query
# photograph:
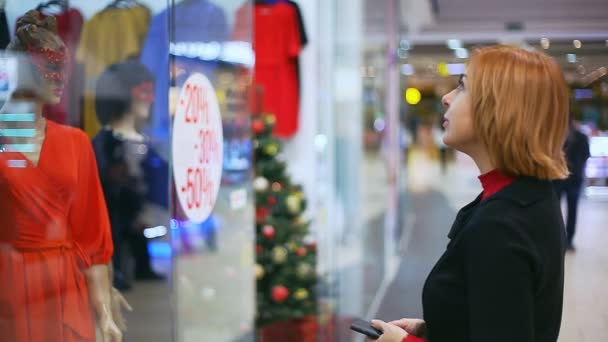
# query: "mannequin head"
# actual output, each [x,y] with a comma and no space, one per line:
[124,91]
[510,108]
[43,59]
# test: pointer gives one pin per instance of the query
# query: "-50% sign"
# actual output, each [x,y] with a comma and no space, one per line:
[197,148]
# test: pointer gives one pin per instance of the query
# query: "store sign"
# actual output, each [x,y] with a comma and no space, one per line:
[229,52]
[8,75]
[197,148]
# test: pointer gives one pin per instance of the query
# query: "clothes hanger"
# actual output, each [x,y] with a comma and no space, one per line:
[62,5]
[123,4]
[267,2]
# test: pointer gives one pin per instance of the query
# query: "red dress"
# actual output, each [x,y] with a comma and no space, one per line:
[276,41]
[53,224]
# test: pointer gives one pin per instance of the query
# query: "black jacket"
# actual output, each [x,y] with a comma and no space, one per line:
[501,278]
[577,153]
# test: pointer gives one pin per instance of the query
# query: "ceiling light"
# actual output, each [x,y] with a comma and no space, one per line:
[405,44]
[407,69]
[454,44]
[577,43]
[545,43]
[413,96]
[402,53]
[461,53]
[571,57]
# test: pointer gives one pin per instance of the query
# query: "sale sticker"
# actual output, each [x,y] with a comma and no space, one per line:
[197,148]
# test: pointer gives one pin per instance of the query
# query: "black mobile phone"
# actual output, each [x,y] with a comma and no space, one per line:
[365,327]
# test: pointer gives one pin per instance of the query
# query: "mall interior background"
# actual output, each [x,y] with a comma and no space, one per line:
[368,156]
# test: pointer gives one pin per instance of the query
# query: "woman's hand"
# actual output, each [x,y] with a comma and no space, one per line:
[416,327]
[109,330]
[118,303]
[390,332]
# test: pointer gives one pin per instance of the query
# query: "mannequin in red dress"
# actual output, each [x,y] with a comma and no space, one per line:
[55,242]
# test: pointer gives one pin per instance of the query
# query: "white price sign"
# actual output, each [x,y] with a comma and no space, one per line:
[197,148]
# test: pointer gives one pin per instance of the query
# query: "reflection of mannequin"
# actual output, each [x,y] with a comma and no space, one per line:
[123,98]
[52,217]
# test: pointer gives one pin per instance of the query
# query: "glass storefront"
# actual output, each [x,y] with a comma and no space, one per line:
[164,90]
[161,86]
[359,161]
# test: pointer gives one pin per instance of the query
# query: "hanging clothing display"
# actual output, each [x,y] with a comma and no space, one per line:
[69,26]
[202,27]
[53,224]
[5,35]
[303,38]
[112,35]
[277,43]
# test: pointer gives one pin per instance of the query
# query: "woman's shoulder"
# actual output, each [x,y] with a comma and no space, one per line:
[528,211]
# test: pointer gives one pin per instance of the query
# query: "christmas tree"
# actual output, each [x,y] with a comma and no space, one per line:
[285,252]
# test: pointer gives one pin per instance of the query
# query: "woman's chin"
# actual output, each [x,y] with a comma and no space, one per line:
[53,100]
[446,140]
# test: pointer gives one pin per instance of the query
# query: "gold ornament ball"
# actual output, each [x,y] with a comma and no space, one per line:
[294,204]
[276,187]
[279,254]
[300,220]
[270,119]
[292,246]
[260,184]
[304,270]
[259,271]
[300,294]
[271,149]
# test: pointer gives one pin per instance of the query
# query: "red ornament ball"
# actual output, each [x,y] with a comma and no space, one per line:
[261,213]
[268,231]
[259,249]
[272,200]
[280,293]
[258,126]
[301,251]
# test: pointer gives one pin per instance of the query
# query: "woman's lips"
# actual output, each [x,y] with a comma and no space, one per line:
[445,122]
[58,91]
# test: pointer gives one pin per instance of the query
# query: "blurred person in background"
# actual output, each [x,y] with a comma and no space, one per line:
[124,95]
[55,241]
[577,153]
[501,277]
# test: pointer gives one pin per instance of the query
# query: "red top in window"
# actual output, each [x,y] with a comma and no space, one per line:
[53,225]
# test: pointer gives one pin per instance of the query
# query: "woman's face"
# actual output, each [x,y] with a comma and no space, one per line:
[458,119]
[51,66]
[52,91]
[142,97]
[140,109]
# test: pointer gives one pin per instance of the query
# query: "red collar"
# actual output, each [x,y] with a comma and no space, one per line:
[492,182]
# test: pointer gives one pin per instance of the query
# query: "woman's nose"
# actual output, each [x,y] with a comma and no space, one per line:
[446,100]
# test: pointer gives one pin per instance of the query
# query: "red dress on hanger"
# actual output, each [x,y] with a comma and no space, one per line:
[53,224]
[277,45]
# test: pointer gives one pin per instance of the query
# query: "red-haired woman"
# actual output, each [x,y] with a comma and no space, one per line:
[501,278]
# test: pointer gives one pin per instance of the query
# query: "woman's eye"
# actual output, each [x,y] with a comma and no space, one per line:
[460,85]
